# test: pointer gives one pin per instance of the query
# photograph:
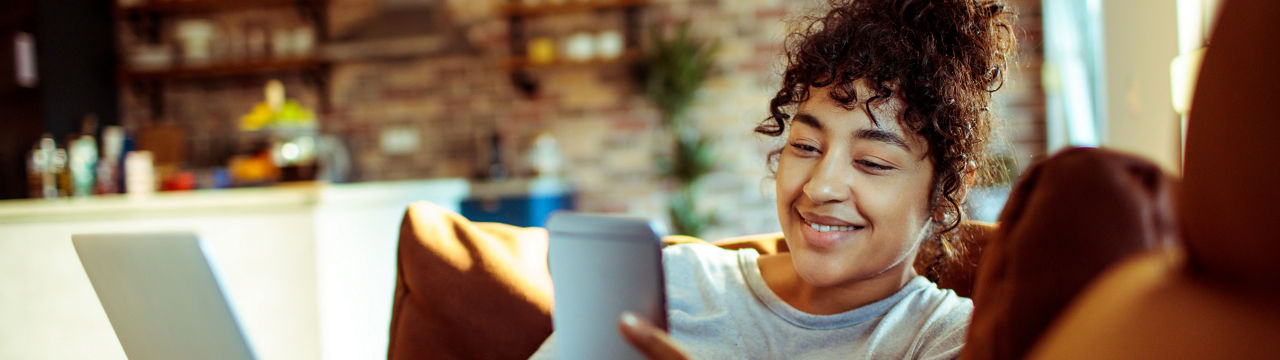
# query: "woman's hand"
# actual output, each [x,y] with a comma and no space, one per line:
[650,340]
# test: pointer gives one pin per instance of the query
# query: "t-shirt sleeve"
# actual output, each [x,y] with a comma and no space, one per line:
[946,339]
[946,346]
[547,351]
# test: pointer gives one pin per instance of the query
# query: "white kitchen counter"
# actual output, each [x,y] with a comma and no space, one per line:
[309,268]
[160,204]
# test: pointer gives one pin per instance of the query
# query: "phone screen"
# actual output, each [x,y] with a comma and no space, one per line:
[602,265]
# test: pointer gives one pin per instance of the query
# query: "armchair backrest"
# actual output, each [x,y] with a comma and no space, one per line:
[1217,298]
[1232,167]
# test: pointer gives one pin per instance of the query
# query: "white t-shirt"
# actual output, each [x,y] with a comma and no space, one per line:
[719,307]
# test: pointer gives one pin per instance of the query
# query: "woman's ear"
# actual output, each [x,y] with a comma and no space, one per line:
[968,176]
[939,216]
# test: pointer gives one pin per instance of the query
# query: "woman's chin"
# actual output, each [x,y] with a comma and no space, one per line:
[819,270]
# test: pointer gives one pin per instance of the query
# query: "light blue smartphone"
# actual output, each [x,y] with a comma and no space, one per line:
[602,265]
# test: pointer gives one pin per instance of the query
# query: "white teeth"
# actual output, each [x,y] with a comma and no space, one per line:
[825,228]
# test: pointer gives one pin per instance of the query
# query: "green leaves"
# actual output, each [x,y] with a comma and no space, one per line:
[675,67]
[693,157]
[685,217]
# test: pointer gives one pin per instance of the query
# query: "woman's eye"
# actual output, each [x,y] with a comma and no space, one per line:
[804,148]
[874,165]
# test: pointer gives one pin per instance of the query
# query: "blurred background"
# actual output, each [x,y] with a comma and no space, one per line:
[224,94]
[227,94]
[291,134]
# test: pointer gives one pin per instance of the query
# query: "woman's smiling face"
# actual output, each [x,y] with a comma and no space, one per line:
[853,195]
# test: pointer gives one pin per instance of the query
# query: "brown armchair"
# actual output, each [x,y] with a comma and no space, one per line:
[1215,298]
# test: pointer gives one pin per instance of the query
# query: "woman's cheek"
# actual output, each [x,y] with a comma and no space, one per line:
[790,173]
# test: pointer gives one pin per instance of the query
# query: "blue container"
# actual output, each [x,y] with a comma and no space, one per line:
[516,210]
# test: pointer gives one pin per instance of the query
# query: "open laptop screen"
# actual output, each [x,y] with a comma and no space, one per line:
[161,296]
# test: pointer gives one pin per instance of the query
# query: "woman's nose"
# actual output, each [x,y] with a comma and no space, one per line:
[829,182]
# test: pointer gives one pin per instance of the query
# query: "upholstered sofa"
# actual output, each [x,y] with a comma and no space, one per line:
[1097,254]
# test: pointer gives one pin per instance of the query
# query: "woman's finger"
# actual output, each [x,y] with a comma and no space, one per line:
[651,341]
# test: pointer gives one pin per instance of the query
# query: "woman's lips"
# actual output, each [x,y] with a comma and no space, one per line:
[821,240]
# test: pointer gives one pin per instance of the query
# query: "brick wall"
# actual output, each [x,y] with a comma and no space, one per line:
[608,132]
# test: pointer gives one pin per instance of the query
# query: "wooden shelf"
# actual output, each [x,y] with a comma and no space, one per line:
[148,18]
[194,6]
[212,70]
[519,13]
[567,6]
[516,63]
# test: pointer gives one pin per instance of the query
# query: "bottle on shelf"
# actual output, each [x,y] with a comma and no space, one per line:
[497,170]
[37,162]
[108,179]
[83,158]
[140,179]
[46,167]
[83,161]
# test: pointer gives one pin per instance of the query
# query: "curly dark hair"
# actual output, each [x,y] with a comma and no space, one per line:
[942,58]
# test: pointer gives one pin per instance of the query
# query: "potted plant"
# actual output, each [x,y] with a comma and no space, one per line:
[675,67]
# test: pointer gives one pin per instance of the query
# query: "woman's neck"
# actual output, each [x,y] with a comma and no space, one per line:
[781,276]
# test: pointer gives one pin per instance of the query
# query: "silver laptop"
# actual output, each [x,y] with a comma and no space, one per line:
[161,296]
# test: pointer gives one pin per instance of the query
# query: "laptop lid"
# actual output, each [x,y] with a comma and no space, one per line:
[161,296]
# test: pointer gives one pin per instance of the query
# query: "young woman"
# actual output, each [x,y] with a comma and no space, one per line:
[884,108]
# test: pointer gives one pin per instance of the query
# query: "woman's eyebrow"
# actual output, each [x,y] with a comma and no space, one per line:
[805,118]
[879,135]
[882,136]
